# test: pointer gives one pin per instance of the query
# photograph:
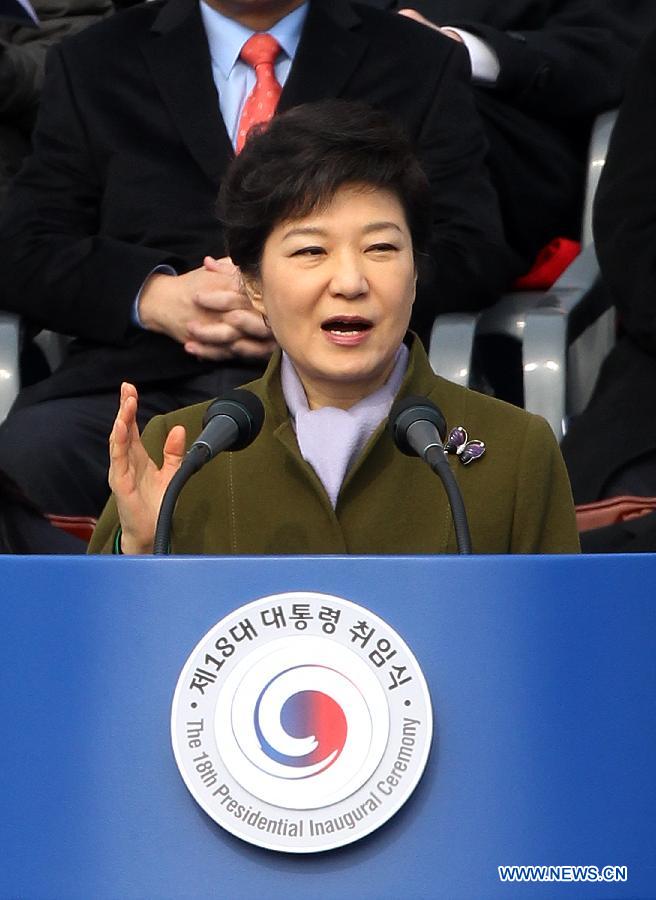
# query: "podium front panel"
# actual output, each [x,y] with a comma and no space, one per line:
[542,673]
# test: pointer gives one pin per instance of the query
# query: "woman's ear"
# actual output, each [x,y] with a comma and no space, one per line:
[253,288]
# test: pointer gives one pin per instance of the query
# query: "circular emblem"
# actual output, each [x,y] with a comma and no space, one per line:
[301,722]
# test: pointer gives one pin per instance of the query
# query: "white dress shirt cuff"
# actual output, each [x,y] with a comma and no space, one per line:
[484,61]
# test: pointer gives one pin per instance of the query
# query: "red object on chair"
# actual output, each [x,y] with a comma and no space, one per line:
[549,265]
[78,526]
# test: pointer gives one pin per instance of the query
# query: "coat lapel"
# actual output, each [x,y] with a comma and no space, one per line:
[328,52]
[380,455]
[177,54]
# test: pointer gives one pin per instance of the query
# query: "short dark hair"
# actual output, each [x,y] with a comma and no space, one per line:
[299,161]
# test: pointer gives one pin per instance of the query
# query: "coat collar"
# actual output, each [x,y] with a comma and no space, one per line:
[379,453]
[419,380]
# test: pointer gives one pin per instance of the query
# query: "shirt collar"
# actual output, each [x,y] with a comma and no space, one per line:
[226,37]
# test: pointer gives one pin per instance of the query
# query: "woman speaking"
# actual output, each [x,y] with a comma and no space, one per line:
[326,214]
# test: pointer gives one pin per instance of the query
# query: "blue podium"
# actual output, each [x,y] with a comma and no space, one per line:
[542,674]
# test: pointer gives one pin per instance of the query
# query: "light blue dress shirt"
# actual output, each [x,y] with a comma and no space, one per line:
[235,79]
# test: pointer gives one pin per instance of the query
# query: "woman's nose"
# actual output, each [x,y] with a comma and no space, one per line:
[348,279]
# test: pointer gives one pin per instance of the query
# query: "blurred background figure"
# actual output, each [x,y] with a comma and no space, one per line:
[22,63]
[638,16]
[25,529]
[542,69]
[610,449]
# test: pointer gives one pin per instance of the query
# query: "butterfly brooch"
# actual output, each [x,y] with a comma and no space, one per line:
[458,442]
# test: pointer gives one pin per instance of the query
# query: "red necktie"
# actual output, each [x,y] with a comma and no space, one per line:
[260,51]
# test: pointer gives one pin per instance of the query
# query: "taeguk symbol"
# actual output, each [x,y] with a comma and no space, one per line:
[301,722]
[314,721]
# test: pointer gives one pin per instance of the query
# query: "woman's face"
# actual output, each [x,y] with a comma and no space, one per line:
[337,287]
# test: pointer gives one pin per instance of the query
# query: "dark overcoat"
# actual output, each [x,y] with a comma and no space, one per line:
[130,149]
[619,425]
[562,63]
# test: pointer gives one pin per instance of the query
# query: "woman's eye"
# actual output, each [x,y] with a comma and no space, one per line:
[308,251]
[382,248]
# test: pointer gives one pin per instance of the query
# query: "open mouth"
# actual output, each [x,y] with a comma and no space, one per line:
[347,325]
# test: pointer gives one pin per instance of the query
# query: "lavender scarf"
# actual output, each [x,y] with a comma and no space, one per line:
[331,439]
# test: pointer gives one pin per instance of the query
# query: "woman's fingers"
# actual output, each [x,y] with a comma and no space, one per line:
[128,408]
[174,450]
[128,392]
[128,457]
[118,438]
[118,455]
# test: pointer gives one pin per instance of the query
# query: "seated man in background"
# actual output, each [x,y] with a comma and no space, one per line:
[110,233]
[543,69]
[610,449]
[22,60]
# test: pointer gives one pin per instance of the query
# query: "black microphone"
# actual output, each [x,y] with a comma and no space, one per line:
[418,429]
[230,423]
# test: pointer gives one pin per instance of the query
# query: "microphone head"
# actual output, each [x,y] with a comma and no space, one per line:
[246,411]
[408,410]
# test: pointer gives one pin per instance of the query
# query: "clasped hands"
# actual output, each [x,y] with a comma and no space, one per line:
[207,311]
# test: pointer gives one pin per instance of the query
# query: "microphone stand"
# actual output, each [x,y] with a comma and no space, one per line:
[197,456]
[418,430]
[230,422]
[438,462]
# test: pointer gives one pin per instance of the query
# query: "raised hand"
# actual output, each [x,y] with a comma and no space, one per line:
[137,484]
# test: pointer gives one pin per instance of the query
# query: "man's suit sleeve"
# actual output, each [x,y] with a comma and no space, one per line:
[472,261]
[572,64]
[57,270]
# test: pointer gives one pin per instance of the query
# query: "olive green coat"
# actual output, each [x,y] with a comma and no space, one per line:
[267,500]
